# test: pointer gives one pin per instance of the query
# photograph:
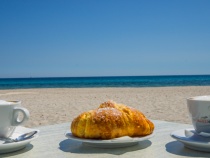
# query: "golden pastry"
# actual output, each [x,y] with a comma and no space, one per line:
[111,120]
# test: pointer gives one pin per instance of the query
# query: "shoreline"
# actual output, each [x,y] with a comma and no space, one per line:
[59,88]
[50,106]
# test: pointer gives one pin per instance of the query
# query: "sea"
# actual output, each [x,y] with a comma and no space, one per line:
[113,81]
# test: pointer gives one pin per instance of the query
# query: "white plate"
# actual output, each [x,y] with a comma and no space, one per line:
[192,141]
[14,146]
[111,143]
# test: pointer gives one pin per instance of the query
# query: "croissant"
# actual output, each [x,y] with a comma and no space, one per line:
[111,120]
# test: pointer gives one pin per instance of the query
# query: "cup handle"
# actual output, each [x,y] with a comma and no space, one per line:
[25,113]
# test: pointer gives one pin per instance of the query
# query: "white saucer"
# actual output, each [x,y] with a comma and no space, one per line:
[111,143]
[192,141]
[14,146]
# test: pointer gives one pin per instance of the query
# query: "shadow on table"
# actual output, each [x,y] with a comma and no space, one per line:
[178,148]
[77,147]
[21,151]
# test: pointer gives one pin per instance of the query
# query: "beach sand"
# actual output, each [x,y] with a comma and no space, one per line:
[59,105]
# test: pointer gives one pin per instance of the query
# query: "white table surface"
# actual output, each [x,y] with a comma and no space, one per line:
[52,143]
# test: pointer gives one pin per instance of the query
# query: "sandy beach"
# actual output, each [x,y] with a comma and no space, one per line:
[59,105]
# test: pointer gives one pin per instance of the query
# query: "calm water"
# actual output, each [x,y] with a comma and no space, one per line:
[127,81]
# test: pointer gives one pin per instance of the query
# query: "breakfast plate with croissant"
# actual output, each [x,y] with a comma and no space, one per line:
[111,125]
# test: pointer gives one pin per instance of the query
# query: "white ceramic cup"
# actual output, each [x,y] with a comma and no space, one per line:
[199,110]
[9,111]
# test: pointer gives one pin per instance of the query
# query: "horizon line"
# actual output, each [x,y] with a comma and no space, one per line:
[104,76]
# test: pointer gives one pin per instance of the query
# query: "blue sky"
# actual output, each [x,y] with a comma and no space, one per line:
[47,38]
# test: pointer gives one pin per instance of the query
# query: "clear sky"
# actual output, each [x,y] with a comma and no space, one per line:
[64,38]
